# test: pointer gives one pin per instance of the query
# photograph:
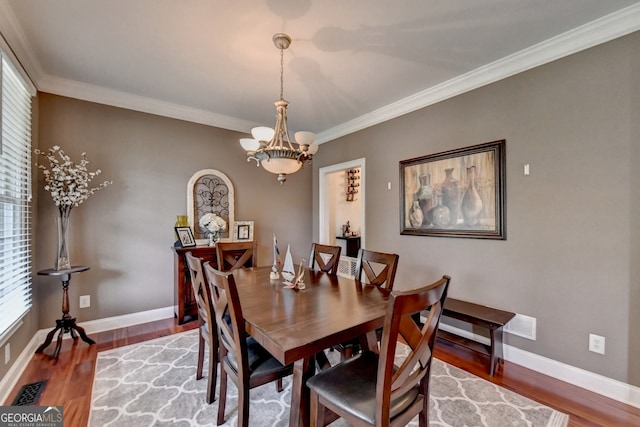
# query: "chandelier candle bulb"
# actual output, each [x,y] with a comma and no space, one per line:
[274,149]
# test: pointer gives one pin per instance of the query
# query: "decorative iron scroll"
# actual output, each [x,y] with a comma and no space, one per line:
[210,191]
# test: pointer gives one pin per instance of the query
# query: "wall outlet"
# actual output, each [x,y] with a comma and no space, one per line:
[7,353]
[85,301]
[596,343]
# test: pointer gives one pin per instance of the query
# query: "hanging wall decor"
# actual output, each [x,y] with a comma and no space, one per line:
[353,182]
[457,193]
[210,191]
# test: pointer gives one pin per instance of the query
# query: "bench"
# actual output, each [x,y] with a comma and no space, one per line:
[490,318]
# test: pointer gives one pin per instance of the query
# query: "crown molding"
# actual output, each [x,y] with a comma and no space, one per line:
[100,95]
[602,30]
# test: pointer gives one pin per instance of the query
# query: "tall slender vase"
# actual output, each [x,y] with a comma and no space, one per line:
[451,195]
[62,225]
[471,201]
[214,237]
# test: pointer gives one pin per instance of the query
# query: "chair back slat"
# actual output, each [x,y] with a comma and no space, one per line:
[399,325]
[325,257]
[379,268]
[233,255]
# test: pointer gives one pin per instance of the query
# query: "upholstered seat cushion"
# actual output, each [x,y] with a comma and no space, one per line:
[260,360]
[351,386]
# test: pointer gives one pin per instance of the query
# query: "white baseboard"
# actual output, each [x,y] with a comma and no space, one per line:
[100,325]
[608,387]
[613,389]
[10,379]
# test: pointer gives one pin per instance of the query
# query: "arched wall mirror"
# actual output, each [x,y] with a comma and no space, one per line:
[210,190]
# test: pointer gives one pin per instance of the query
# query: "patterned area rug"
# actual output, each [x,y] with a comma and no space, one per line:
[153,384]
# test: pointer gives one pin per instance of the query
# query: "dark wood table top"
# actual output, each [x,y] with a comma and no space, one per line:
[295,324]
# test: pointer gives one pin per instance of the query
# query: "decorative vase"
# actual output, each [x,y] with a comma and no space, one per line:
[451,195]
[471,201]
[62,225]
[182,221]
[424,196]
[415,215]
[440,215]
[214,237]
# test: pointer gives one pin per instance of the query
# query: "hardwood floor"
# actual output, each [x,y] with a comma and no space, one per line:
[70,378]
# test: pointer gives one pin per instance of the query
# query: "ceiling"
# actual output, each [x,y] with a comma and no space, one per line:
[351,64]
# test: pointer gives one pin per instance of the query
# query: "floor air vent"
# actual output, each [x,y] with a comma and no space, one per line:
[29,394]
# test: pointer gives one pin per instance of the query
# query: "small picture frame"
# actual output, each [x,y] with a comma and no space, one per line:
[243,231]
[185,237]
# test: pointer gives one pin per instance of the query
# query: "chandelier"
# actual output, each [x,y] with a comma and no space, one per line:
[273,148]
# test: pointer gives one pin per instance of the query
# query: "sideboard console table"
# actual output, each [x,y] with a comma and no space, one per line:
[184,303]
[185,308]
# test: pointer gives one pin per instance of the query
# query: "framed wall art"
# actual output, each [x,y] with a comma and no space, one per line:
[242,230]
[457,193]
[185,236]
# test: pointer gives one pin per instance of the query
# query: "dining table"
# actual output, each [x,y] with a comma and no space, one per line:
[296,325]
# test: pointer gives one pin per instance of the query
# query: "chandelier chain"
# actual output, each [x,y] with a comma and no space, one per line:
[281,73]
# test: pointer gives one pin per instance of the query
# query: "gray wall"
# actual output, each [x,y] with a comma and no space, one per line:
[567,260]
[125,231]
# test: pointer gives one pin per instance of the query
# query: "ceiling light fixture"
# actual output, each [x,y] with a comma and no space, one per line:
[273,148]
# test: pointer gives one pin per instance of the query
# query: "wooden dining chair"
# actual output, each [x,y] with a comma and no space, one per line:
[233,255]
[207,334]
[242,359]
[369,389]
[325,257]
[378,268]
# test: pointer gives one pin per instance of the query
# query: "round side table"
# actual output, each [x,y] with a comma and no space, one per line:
[67,323]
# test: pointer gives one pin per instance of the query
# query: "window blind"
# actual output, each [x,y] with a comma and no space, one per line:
[15,198]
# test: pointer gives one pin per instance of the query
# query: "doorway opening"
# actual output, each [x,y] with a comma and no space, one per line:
[334,207]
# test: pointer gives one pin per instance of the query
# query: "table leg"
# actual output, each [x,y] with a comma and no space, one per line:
[49,338]
[303,369]
[56,352]
[82,333]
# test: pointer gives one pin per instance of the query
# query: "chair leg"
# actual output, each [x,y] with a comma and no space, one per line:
[317,411]
[222,398]
[423,417]
[243,406]
[201,344]
[346,353]
[213,368]
[279,387]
